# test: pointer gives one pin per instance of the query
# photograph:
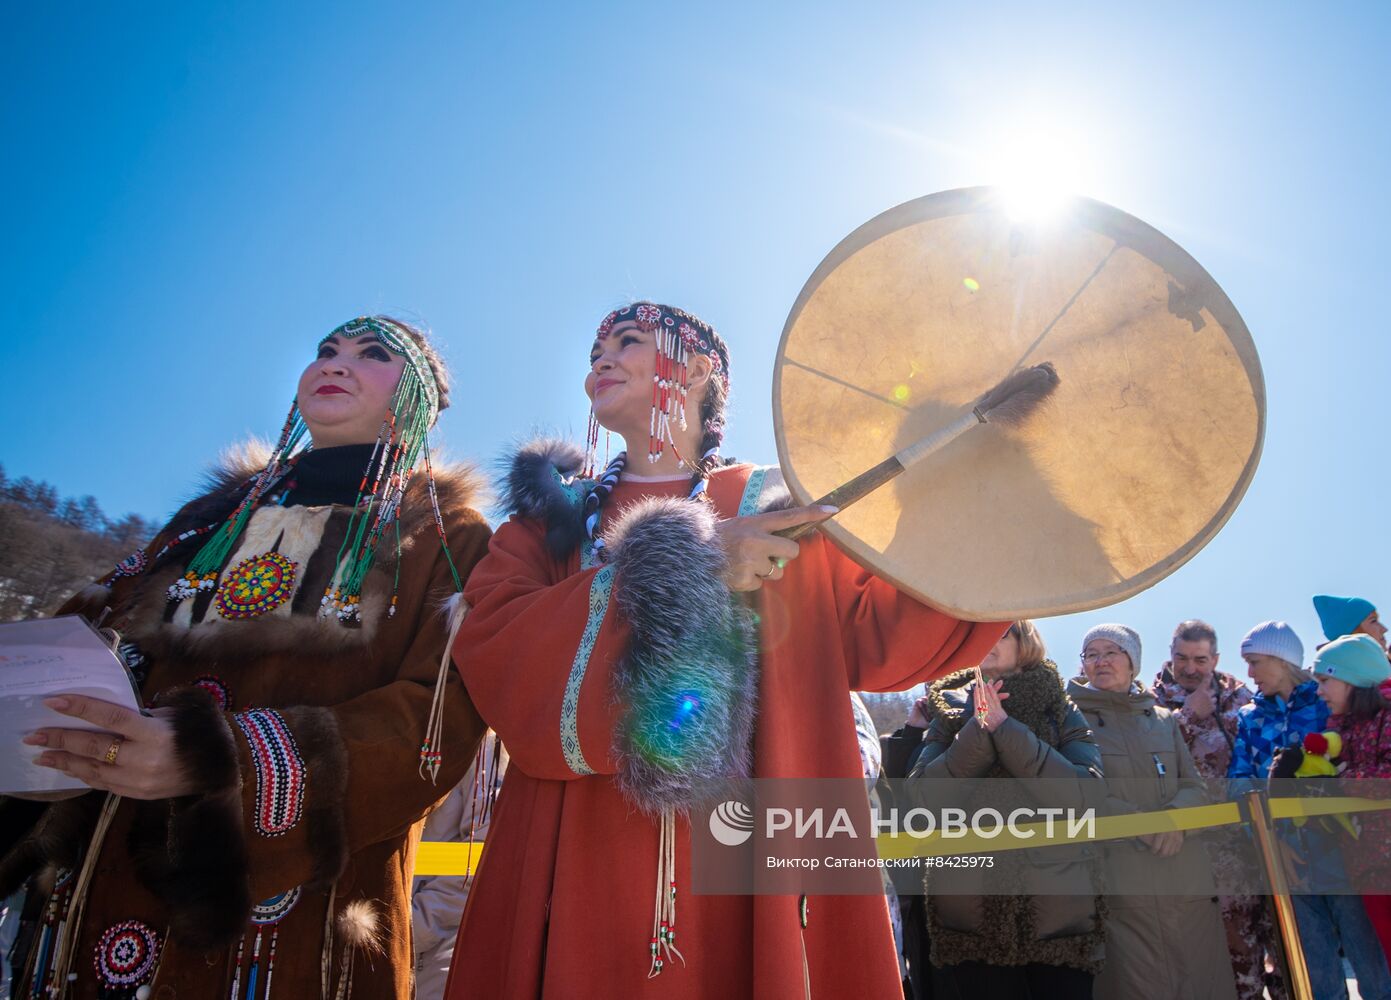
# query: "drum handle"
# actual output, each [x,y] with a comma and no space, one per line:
[870,480]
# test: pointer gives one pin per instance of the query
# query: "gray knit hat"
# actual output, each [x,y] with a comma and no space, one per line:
[1275,639]
[1123,636]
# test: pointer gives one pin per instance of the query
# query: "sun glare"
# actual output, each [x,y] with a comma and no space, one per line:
[1038,168]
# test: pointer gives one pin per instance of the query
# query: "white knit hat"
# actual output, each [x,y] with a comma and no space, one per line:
[1123,636]
[1274,639]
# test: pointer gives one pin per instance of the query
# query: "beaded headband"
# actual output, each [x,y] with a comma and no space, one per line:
[398,341]
[679,335]
[693,333]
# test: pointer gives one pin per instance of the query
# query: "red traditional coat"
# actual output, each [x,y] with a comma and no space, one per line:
[554,654]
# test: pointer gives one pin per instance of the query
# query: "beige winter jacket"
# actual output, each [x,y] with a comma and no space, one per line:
[1164,933]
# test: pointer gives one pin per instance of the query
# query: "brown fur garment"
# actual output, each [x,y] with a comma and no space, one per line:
[143,613]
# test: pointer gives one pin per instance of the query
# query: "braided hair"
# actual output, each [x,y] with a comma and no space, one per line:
[712,423]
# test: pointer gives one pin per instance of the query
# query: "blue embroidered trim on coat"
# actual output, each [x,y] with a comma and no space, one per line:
[600,589]
[753,491]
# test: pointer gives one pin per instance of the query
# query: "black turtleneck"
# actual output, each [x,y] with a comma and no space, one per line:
[324,476]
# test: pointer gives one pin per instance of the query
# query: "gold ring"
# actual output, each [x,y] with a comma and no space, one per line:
[112,751]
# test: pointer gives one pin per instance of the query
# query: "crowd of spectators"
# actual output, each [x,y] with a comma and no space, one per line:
[1193,918]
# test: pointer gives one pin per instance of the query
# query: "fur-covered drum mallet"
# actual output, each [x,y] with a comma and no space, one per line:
[1009,404]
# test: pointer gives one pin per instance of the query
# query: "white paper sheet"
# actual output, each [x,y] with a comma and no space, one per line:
[40,659]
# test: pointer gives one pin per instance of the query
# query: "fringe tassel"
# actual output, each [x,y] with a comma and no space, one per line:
[67,940]
[326,953]
[359,928]
[431,756]
[802,913]
[663,944]
[487,782]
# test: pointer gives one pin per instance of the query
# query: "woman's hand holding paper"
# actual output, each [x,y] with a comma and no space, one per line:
[134,756]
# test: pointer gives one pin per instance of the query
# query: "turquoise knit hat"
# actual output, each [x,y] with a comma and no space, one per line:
[1340,616]
[1356,659]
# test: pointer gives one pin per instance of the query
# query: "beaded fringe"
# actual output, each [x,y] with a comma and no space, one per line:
[663,944]
[431,755]
[487,782]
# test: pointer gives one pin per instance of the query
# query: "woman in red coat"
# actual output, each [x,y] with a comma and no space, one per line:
[607,648]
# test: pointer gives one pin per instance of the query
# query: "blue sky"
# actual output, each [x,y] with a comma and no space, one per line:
[195,193]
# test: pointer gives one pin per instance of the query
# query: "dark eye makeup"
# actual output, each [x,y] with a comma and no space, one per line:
[375,352]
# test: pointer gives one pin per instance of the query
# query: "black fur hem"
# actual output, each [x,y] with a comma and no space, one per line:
[42,833]
[954,947]
[326,759]
[688,682]
[533,490]
[191,851]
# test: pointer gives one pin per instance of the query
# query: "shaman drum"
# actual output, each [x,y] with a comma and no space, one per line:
[1134,464]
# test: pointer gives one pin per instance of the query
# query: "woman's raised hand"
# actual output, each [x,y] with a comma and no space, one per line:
[917,716]
[754,553]
[134,756]
[989,699]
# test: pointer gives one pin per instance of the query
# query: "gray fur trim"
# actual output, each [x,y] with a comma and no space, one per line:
[775,494]
[533,490]
[690,640]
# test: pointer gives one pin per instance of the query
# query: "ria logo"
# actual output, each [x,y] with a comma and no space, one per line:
[731,823]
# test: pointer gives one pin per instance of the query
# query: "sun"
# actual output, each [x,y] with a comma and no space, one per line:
[1039,167]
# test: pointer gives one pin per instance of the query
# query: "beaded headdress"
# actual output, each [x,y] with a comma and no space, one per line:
[678,335]
[401,443]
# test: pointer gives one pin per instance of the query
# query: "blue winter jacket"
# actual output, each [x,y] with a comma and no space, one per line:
[1264,727]
[1270,724]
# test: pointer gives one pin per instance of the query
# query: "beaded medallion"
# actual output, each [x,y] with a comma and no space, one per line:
[126,954]
[256,585]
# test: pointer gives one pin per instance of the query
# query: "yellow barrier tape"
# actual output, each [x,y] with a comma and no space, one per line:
[437,857]
[903,845]
[440,858]
[1288,808]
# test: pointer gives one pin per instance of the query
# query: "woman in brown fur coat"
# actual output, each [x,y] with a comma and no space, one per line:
[255,828]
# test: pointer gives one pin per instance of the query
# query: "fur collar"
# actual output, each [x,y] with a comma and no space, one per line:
[458,487]
[540,484]
[141,611]
[1036,698]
